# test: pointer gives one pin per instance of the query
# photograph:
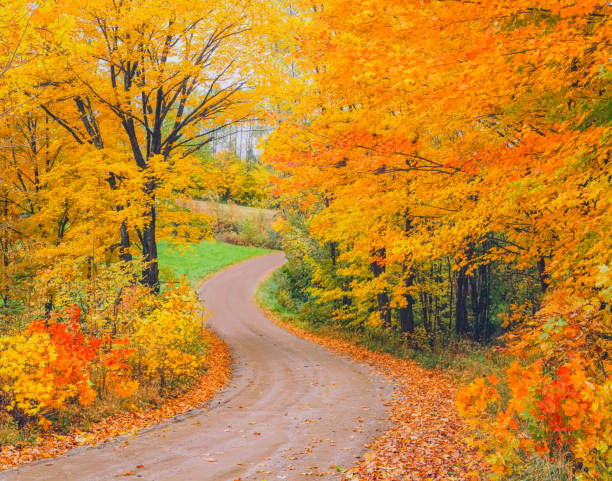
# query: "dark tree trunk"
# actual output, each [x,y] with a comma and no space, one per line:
[542,273]
[124,253]
[48,307]
[5,263]
[485,299]
[450,295]
[333,246]
[333,252]
[385,311]
[406,315]
[150,273]
[382,298]
[461,319]
[4,244]
[425,299]
[346,299]
[473,290]
[479,287]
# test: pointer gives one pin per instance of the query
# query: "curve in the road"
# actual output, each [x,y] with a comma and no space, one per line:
[292,409]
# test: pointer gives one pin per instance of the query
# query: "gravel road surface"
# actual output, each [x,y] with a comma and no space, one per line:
[291,411]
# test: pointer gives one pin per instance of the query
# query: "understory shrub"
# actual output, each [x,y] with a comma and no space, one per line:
[46,369]
[58,366]
[549,414]
[169,343]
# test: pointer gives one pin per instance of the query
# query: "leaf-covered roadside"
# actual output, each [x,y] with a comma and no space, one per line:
[426,440]
[217,374]
[445,175]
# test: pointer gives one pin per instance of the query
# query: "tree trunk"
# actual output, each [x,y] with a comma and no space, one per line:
[5,263]
[461,320]
[5,259]
[48,308]
[542,273]
[150,273]
[382,298]
[450,295]
[406,314]
[333,252]
[124,252]
[425,299]
[485,299]
[124,236]
[479,290]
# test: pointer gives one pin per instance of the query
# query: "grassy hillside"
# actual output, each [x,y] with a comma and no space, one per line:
[231,212]
[198,261]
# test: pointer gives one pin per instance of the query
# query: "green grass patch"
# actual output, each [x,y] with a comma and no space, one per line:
[198,261]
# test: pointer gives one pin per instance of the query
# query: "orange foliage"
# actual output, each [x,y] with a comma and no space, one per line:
[51,367]
[421,133]
[75,352]
[218,363]
[56,364]
[549,414]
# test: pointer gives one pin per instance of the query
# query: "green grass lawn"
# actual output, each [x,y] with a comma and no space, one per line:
[198,261]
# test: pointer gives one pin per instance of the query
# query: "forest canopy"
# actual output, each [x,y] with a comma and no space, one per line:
[447,165]
[442,169]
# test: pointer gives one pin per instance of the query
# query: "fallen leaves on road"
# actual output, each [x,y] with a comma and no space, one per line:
[217,374]
[426,439]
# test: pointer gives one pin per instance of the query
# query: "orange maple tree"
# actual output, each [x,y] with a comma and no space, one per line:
[437,148]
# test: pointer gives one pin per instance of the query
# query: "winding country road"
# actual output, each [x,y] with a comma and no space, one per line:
[292,409]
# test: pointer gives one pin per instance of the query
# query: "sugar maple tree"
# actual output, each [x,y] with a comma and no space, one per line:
[104,124]
[148,89]
[441,148]
[103,108]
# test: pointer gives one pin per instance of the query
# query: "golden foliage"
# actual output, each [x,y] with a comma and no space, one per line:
[425,144]
[169,342]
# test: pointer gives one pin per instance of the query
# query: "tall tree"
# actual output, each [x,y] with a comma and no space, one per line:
[489,122]
[153,81]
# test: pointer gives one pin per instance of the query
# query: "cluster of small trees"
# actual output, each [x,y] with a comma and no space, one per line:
[104,106]
[62,364]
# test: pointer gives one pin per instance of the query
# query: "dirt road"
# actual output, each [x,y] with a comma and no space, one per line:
[292,409]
